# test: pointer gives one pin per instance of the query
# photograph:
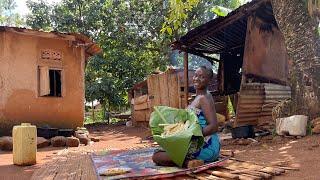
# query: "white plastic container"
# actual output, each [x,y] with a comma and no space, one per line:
[24,144]
[294,125]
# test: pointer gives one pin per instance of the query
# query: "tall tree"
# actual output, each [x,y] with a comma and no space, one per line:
[299,29]
[8,16]
[128,33]
[39,18]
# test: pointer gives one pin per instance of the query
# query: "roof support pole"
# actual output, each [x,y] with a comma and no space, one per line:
[186,78]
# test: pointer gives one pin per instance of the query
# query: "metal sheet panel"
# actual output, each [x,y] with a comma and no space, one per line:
[256,101]
[265,53]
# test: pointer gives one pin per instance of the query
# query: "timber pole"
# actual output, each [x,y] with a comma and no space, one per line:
[186,77]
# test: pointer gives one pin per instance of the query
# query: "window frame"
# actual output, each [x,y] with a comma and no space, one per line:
[61,79]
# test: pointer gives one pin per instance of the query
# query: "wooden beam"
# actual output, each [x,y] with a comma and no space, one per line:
[210,59]
[186,78]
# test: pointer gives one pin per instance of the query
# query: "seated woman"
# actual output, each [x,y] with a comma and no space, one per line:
[204,107]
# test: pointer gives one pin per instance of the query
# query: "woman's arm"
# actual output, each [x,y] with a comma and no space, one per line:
[209,111]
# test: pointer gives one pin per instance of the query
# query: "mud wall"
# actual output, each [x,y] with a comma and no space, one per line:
[20,58]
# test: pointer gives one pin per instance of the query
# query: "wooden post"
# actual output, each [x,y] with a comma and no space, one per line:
[186,78]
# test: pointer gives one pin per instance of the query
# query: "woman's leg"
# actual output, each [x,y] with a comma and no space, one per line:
[161,158]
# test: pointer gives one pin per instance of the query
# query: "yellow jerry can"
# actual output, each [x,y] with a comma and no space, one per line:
[24,144]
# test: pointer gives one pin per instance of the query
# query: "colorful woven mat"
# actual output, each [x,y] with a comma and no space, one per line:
[140,165]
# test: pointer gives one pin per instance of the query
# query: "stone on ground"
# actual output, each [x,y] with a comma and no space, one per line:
[58,141]
[84,140]
[95,139]
[72,142]
[6,143]
[42,142]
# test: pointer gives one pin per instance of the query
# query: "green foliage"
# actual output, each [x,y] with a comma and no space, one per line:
[230,108]
[181,12]
[129,33]
[8,17]
[39,18]
[98,118]
[177,14]
[220,11]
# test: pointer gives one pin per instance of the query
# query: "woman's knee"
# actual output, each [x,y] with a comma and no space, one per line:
[155,158]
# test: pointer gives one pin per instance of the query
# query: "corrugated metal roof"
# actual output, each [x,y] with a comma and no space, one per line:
[223,33]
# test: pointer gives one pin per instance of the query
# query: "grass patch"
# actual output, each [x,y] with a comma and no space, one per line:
[99,119]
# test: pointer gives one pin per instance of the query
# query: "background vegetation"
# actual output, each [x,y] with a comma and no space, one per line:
[132,33]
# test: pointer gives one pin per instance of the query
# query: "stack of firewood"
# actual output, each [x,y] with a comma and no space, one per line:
[315,124]
[237,169]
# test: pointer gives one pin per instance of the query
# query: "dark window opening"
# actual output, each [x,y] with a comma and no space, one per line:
[55,83]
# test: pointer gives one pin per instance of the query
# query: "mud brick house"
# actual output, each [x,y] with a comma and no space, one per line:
[42,77]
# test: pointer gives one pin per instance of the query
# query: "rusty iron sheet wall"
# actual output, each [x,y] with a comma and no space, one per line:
[265,53]
[256,101]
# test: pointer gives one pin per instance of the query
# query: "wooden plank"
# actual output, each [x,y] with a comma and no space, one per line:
[153,92]
[141,106]
[139,115]
[173,89]
[141,99]
[47,171]
[70,167]
[164,94]
[156,90]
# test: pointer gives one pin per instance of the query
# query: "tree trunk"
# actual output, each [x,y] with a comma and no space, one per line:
[92,108]
[104,110]
[302,41]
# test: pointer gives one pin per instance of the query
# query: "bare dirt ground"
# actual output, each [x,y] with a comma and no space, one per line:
[303,153]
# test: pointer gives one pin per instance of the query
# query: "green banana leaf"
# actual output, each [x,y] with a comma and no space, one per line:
[176,145]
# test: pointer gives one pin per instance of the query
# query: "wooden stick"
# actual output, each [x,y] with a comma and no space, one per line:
[211,177]
[247,177]
[241,176]
[222,174]
[288,168]
[228,153]
[186,78]
[252,172]
[265,169]
[204,176]
[277,168]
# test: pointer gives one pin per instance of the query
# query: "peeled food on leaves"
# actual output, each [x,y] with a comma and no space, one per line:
[171,129]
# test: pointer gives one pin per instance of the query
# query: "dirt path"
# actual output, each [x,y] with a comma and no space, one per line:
[303,153]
